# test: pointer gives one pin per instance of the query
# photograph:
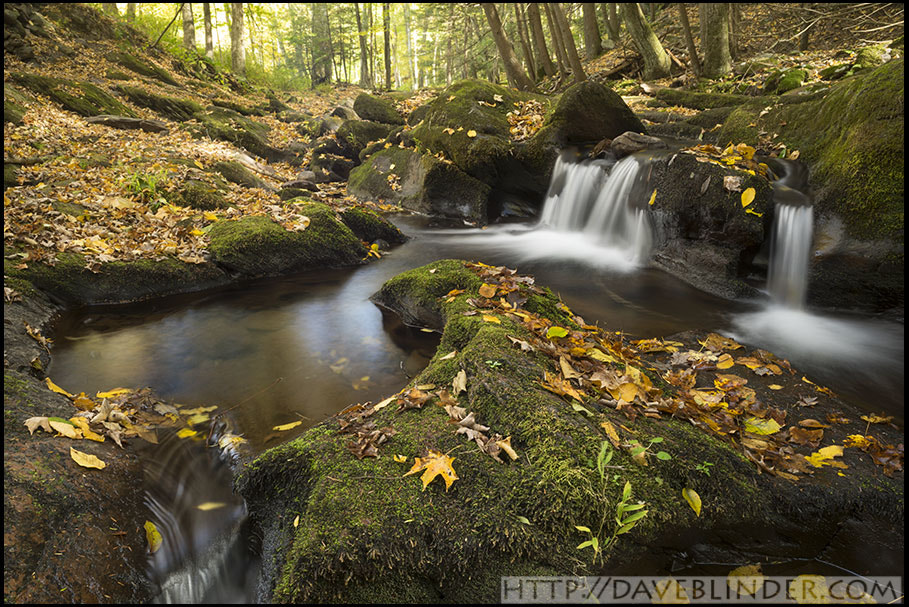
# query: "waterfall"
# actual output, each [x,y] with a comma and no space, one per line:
[584,198]
[787,278]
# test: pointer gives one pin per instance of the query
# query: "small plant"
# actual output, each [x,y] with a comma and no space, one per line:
[627,514]
[639,452]
[704,467]
[146,188]
[494,364]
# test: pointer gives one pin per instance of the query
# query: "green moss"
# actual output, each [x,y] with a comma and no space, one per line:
[257,246]
[782,81]
[369,107]
[235,172]
[169,107]
[359,133]
[369,226]
[134,64]
[699,101]
[91,100]
[198,195]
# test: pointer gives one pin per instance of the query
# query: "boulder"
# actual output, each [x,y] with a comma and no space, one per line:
[369,107]
[630,142]
[169,107]
[421,183]
[125,122]
[235,172]
[371,227]
[83,98]
[345,113]
[355,135]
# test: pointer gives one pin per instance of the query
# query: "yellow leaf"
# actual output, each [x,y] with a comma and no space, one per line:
[210,506]
[694,500]
[601,356]
[824,457]
[112,393]
[209,216]
[55,388]
[197,232]
[505,445]
[296,521]
[747,579]
[471,133]
[199,164]
[289,426]
[753,212]
[153,536]
[487,290]
[186,433]
[748,197]
[436,464]
[494,319]
[652,197]
[86,460]
[611,433]
[83,402]
[725,361]
[399,458]
[756,425]
[65,428]
[775,387]
[82,423]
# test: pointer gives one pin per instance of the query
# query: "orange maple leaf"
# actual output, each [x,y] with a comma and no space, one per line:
[436,464]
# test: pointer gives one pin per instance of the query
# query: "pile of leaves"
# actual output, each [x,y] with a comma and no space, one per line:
[739,157]
[526,119]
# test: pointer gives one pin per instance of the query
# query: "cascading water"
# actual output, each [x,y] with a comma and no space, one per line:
[787,279]
[584,198]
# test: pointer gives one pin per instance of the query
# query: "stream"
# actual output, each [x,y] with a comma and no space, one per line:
[301,348]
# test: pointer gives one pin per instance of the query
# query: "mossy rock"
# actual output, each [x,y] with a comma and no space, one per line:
[237,107]
[871,56]
[92,102]
[169,107]
[369,226]
[699,101]
[338,528]
[835,72]
[418,114]
[131,62]
[117,282]
[14,105]
[9,175]
[485,157]
[112,74]
[198,195]
[459,107]
[357,134]
[235,172]
[257,246]
[852,138]
[227,125]
[369,107]
[783,81]
[425,184]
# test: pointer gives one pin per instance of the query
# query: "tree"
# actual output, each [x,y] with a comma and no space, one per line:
[131,12]
[110,9]
[525,41]
[321,44]
[189,28]
[557,43]
[592,44]
[568,40]
[656,61]
[365,80]
[612,22]
[539,39]
[386,29]
[237,52]
[206,20]
[517,78]
[717,60]
[689,40]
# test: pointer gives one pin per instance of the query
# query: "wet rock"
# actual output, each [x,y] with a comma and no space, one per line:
[630,142]
[371,227]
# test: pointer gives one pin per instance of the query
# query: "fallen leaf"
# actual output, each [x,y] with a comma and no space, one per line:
[210,506]
[748,197]
[459,383]
[694,500]
[86,460]
[289,426]
[153,536]
[747,579]
[759,426]
[65,428]
[55,388]
[556,332]
[652,198]
[435,464]
[471,133]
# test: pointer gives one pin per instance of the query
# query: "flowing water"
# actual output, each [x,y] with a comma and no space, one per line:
[304,347]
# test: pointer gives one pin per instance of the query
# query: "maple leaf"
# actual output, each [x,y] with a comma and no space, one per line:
[435,464]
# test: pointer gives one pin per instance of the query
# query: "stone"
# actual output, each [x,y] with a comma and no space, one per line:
[125,122]
[630,142]
[369,107]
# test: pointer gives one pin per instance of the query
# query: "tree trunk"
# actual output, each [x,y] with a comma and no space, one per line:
[612,22]
[717,61]
[539,39]
[733,42]
[411,73]
[386,30]
[364,53]
[449,57]
[237,52]
[517,78]
[525,41]
[110,9]
[189,28]
[556,41]
[568,40]
[656,61]
[372,45]
[592,45]
[206,20]
[131,12]
[321,44]
[804,36]
[689,40]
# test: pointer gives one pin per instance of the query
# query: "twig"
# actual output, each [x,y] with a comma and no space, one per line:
[179,9]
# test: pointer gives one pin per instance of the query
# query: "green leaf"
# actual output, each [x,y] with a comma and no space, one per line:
[581,408]
[663,456]
[585,544]
[694,500]
[635,517]
[655,440]
[582,528]
[626,492]
[633,507]
[625,529]
[523,519]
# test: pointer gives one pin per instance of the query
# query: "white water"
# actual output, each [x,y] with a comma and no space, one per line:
[787,280]
[589,215]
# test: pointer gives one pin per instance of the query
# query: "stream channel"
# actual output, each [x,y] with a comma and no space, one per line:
[301,348]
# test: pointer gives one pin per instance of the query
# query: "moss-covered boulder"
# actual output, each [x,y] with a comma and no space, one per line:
[872,55]
[336,527]
[133,63]
[422,183]
[355,135]
[783,81]
[376,109]
[227,125]
[169,107]
[197,195]
[70,281]
[853,140]
[369,226]
[235,172]
[83,98]
[14,104]
[257,246]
